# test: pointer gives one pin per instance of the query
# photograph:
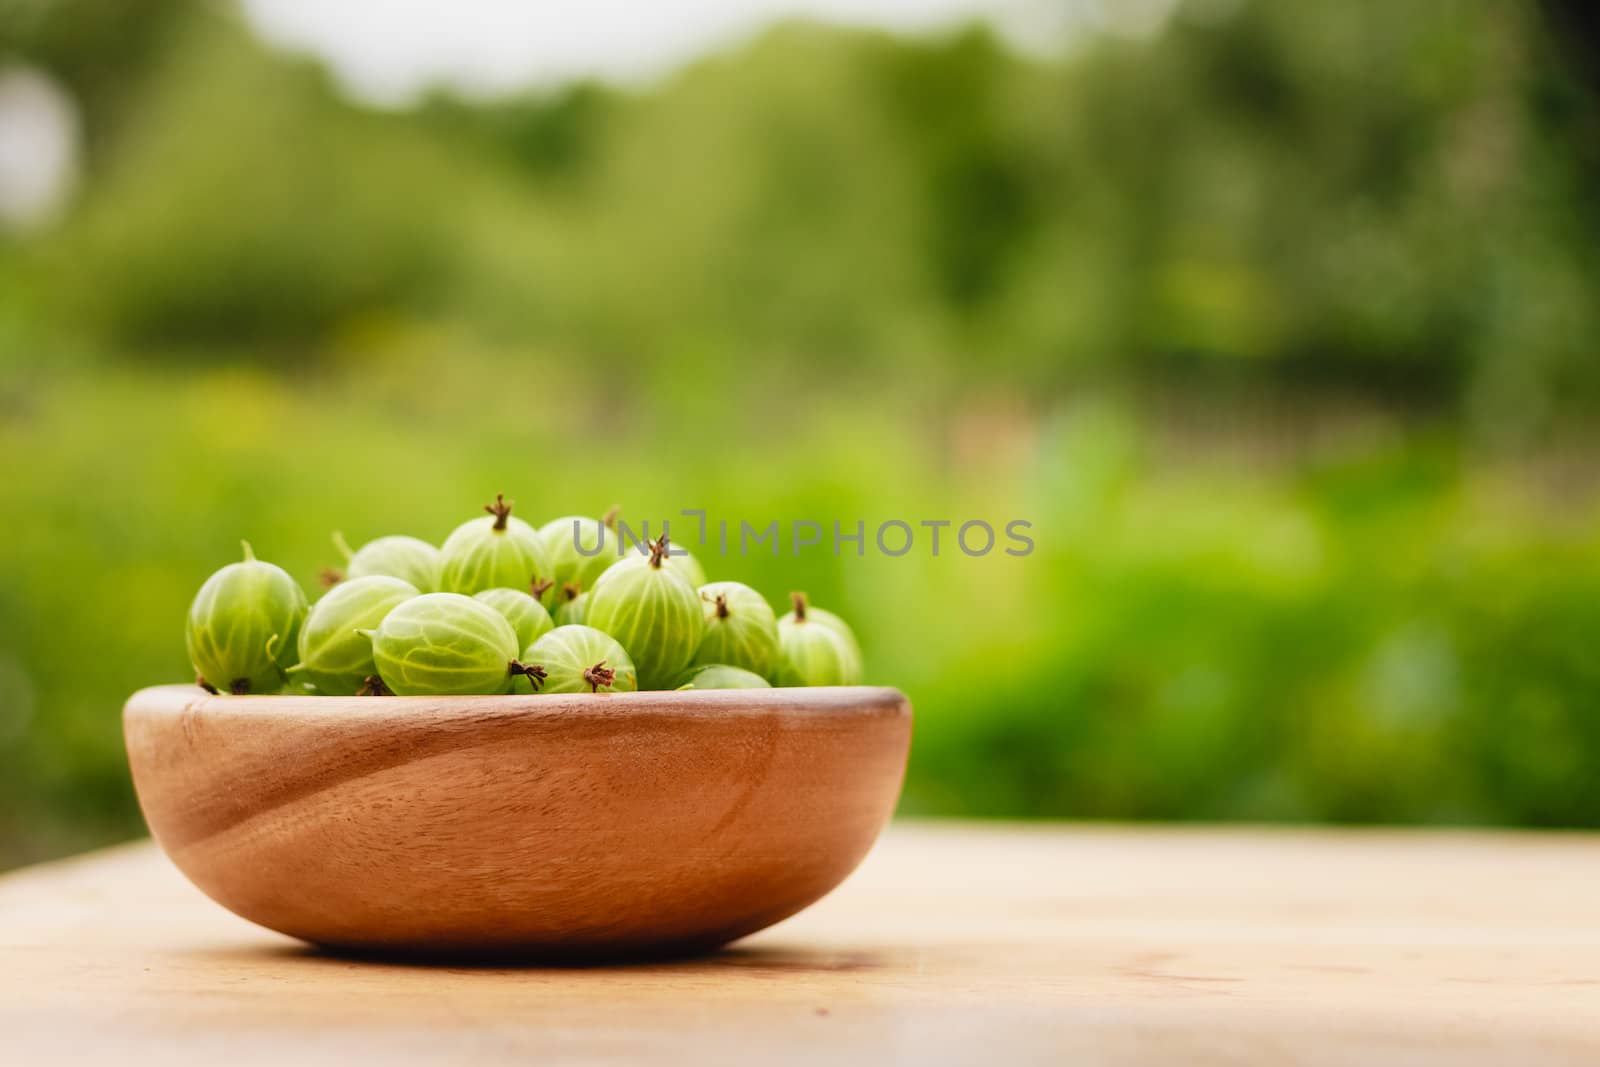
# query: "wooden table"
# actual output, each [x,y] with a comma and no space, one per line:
[955,943]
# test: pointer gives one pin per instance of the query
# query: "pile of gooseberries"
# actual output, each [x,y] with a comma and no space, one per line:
[502,607]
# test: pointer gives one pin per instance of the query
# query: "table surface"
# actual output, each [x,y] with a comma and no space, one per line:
[954,943]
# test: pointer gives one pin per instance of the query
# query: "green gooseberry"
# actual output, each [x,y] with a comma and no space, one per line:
[722,676]
[814,652]
[526,615]
[334,655]
[445,643]
[578,550]
[410,559]
[493,552]
[741,630]
[652,611]
[581,659]
[689,567]
[830,620]
[572,606]
[679,559]
[243,626]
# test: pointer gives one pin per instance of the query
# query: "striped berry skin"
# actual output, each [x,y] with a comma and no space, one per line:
[721,676]
[496,551]
[652,611]
[741,630]
[243,627]
[687,566]
[581,659]
[335,656]
[816,648]
[445,643]
[525,614]
[679,560]
[572,609]
[578,551]
[834,623]
[410,559]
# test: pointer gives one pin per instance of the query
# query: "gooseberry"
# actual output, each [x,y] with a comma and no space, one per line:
[410,559]
[571,607]
[722,676]
[243,626]
[525,614]
[679,559]
[578,550]
[741,630]
[827,618]
[444,643]
[813,652]
[652,611]
[492,552]
[334,656]
[581,659]
[689,567]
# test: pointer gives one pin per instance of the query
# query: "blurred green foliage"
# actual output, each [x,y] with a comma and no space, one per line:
[1277,326]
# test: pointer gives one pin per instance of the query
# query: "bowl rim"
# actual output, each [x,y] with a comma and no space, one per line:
[839,701]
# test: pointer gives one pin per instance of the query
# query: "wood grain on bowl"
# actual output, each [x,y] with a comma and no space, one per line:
[563,825]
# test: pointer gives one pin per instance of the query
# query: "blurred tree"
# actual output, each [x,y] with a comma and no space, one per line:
[550,135]
[102,51]
[949,101]
[246,208]
[1275,195]
[1575,26]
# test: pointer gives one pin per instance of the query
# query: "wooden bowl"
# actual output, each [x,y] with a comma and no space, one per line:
[582,826]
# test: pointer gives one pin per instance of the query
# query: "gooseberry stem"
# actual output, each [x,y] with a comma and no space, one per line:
[609,519]
[500,509]
[658,551]
[533,672]
[570,590]
[373,687]
[330,577]
[342,545]
[599,675]
[203,684]
[722,605]
[799,601]
[541,586]
[239,686]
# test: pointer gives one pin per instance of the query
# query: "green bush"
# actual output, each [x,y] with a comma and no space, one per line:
[1371,633]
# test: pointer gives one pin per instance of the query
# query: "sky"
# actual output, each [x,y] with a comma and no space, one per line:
[38,147]
[387,51]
